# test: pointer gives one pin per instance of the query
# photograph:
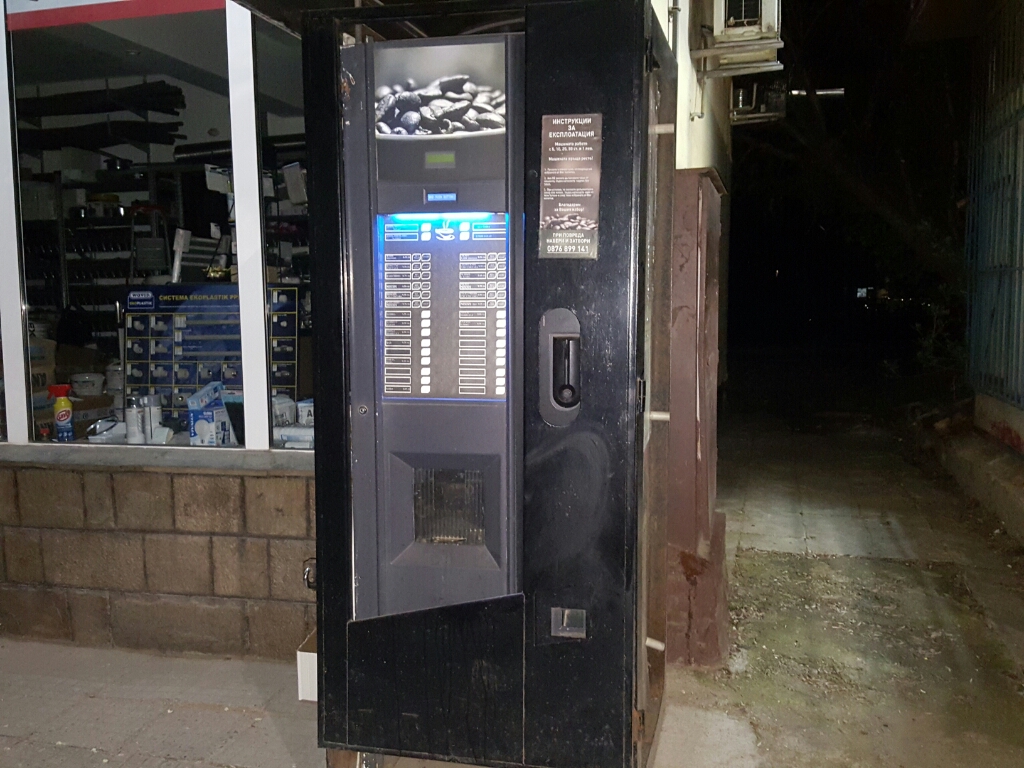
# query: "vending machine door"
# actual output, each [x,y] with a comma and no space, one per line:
[429,134]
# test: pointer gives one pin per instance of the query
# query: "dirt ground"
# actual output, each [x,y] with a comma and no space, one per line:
[868,658]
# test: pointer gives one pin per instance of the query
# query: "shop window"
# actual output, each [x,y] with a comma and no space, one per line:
[127,226]
[286,234]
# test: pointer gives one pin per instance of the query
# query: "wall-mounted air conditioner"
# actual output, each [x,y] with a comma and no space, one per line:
[739,37]
[746,20]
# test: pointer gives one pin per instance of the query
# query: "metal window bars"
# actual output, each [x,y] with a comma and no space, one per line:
[995,234]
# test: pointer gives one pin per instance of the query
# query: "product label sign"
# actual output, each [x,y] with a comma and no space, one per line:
[570,186]
[141,301]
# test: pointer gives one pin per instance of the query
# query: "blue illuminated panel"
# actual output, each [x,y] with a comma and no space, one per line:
[442,305]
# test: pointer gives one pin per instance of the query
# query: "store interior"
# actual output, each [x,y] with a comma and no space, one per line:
[128,231]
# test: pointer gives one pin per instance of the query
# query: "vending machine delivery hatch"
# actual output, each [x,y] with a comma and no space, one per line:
[482,188]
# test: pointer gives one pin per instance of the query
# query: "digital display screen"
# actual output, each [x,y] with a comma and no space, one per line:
[442,305]
[442,197]
[438,159]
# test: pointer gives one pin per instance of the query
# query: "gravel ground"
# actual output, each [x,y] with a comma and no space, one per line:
[897,642]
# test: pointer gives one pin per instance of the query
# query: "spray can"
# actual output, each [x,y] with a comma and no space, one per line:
[63,420]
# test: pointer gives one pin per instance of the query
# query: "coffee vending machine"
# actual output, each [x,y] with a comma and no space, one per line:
[486,217]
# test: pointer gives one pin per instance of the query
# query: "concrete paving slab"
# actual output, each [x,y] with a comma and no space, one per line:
[25,710]
[145,710]
[190,731]
[771,543]
[781,525]
[838,536]
[281,742]
[689,737]
[100,722]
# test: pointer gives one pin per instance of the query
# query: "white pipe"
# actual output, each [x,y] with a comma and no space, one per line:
[673,15]
[252,288]
[820,92]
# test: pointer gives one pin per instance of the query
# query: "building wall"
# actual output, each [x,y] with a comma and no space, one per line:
[703,129]
[995,237]
[157,559]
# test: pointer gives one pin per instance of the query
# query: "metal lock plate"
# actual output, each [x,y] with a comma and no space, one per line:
[569,622]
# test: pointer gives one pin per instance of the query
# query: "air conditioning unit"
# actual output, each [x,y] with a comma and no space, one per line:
[756,100]
[741,21]
[739,37]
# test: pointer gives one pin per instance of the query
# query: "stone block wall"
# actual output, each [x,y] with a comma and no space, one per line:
[174,560]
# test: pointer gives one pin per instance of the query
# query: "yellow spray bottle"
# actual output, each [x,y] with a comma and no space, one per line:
[63,421]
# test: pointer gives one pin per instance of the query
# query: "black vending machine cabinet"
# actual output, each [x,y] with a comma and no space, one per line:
[480,210]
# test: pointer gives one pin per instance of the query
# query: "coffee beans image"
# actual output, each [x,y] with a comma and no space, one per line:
[570,221]
[449,105]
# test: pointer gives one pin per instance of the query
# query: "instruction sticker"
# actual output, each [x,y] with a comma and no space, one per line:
[570,186]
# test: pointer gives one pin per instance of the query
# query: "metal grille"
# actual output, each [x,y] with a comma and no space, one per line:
[995,234]
[449,506]
[742,13]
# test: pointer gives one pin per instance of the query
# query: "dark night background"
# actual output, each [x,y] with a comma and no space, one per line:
[862,191]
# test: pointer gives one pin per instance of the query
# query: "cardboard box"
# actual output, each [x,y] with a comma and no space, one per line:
[210,426]
[42,352]
[42,366]
[206,395]
[42,378]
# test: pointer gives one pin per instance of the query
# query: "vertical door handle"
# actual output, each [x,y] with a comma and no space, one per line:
[561,390]
[565,372]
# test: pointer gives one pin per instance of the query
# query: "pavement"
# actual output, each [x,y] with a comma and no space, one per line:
[71,707]
[878,620]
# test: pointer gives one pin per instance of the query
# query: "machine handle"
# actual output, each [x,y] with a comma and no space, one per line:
[560,355]
[309,572]
[565,360]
